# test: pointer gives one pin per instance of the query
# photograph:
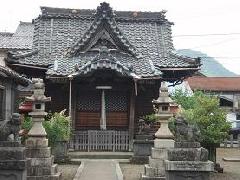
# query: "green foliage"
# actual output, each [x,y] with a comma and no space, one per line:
[204,111]
[27,123]
[150,118]
[57,128]
[25,126]
[182,98]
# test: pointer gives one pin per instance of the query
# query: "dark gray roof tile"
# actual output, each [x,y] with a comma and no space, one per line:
[6,72]
[21,39]
[147,33]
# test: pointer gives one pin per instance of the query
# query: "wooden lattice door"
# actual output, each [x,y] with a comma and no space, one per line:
[117,109]
[88,108]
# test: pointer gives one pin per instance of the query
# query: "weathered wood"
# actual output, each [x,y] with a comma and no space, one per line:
[117,119]
[98,140]
[74,110]
[131,119]
[87,119]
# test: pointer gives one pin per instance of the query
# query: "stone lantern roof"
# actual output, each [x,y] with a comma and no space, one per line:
[163,95]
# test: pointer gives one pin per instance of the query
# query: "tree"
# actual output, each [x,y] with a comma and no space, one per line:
[204,111]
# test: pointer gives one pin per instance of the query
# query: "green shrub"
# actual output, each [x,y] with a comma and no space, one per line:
[150,118]
[57,126]
[25,126]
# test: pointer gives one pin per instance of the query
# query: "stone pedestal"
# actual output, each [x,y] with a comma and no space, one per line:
[188,161]
[40,161]
[12,161]
[142,146]
[60,152]
[156,167]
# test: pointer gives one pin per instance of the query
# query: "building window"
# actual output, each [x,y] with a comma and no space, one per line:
[1,103]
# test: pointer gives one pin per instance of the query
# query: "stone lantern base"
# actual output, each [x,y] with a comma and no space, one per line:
[40,161]
[155,170]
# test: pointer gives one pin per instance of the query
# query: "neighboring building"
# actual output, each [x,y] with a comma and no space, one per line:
[9,79]
[104,66]
[226,88]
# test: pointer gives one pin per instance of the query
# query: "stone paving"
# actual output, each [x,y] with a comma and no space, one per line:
[101,169]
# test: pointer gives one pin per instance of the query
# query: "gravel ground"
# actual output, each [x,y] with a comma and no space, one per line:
[68,171]
[231,169]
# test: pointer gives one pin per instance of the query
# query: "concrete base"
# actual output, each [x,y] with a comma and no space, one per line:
[179,175]
[141,151]
[207,166]
[12,161]
[195,170]
[142,147]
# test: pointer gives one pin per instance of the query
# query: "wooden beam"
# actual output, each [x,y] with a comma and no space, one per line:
[74,102]
[131,118]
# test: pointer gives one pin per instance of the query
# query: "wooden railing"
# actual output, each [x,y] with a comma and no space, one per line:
[231,142]
[100,140]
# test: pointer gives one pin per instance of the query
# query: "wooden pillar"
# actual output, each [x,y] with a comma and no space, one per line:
[103,112]
[74,103]
[131,118]
[103,106]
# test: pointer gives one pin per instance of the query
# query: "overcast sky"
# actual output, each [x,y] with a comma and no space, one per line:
[191,17]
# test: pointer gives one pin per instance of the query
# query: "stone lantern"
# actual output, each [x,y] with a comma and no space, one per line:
[38,113]
[40,161]
[161,108]
[164,138]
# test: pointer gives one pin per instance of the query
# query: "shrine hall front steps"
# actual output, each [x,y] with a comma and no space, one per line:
[77,156]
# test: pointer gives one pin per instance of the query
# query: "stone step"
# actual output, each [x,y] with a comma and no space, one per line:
[78,161]
[47,177]
[231,159]
[144,177]
[100,155]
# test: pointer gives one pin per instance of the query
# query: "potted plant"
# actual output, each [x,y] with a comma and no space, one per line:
[58,131]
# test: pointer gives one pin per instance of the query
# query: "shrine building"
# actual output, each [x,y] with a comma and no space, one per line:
[104,66]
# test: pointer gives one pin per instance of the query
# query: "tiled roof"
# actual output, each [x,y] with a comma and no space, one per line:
[214,83]
[20,40]
[65,36]
[95,60]
[88,14]
[5,39]
[6,72]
